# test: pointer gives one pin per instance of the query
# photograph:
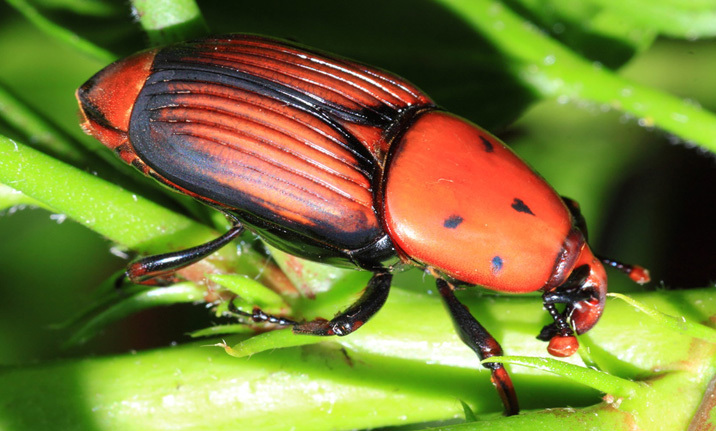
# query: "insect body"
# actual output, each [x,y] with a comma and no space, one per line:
[346,164]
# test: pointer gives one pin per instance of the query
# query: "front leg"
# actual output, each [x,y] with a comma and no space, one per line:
[475,335]
[562,341]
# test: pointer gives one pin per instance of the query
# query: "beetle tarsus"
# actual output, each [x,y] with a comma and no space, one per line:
[505,389]
[257,315]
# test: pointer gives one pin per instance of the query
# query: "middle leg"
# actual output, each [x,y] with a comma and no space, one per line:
[352,318]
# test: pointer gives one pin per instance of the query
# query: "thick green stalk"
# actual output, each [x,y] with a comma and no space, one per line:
[552,70]
[108,209]
[125,218]
[370,378]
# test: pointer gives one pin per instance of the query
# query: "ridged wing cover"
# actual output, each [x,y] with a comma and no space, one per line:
[289,138]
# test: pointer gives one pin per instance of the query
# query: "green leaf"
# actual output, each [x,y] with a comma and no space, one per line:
[595,32]
[379,377]
[216,330]
[679,324]
[10,198]
[269,341]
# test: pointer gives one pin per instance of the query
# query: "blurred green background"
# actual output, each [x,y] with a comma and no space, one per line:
[648,197]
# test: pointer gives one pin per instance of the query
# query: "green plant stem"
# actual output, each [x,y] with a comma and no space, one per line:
[685,19]
[10,197]
[168,21]
[108,209]
[369,379]
[552,70]
[61,33]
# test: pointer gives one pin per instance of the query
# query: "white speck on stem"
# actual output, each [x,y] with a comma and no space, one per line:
[59,218]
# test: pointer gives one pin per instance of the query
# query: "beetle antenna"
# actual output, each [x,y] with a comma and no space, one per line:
[637,273]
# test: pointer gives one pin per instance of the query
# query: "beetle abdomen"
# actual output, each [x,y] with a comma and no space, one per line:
[263,128]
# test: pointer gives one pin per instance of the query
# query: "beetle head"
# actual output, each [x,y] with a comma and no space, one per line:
[106,100]
[583,293]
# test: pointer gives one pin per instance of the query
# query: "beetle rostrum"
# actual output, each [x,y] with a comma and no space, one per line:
[332,160]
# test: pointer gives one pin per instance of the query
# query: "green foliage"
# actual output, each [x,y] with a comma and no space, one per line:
[492,61]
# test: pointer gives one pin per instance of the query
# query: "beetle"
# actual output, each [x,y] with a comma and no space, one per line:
[342,163]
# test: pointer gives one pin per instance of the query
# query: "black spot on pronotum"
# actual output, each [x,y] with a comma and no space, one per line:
[452,222]
[488,145]
[520,206]
[496,264]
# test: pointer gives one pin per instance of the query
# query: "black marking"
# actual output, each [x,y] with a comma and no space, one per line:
[453,221]
[519,206]
[488,145]
[496,264]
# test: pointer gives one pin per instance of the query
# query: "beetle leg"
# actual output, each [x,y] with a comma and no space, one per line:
[344,323]
[558,327]
[475,335]
[259,316]
[154,270]
[356,315]
[570,292]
